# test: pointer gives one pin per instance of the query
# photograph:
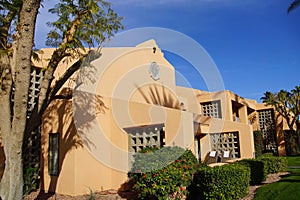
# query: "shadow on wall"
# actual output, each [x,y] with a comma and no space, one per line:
[281,143]
[58,118]
[159,95]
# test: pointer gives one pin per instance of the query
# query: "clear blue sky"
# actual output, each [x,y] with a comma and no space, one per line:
[254,43]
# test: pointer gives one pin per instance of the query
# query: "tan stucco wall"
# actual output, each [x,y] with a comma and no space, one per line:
[222,126]
[80,170]
[127,96]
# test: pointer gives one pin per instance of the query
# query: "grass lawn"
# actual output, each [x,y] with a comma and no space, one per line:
[287,188]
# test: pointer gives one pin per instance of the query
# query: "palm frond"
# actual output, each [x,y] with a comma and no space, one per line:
[293,6]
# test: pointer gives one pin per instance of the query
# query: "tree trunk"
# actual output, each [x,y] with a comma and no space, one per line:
[12,181]
[5,125]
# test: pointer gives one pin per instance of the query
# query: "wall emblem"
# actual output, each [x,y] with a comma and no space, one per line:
[154,71]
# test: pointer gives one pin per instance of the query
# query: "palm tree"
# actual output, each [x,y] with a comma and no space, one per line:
[287,104]
[293,5]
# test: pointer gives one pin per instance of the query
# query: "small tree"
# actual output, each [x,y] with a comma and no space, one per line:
[287,104]
[80,23]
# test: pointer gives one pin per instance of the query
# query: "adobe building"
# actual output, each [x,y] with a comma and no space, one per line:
[126,101]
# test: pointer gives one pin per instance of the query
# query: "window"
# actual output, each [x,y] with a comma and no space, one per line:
[197,146]
[212,109]
[145,136]
[53,154]
[267,127]
[265,118]
[226,142]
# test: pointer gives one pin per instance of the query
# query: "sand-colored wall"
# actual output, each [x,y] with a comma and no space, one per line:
[223,126]
[93,143]
[80,168]
[194,98]
[126,96]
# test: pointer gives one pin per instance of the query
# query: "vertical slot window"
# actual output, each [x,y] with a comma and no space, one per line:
[53,159]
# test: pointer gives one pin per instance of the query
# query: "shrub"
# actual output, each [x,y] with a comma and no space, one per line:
[31,179]
[258,143]
[267,154]
[274,164]
[257,172]
[163,173]
[224,182]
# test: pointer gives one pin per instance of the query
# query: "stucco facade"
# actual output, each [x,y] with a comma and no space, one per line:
[128,98]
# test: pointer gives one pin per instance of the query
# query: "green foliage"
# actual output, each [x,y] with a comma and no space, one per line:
[31,179]
[163,173]
[91,195]
[92,20]
[8,13]
[295,4]
[286,188]
[258,174]
[269,154]
[293,160]
[274,164]
[286,104]
[258,143]
[222,182]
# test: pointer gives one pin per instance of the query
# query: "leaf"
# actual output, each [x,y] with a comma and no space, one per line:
[293,6]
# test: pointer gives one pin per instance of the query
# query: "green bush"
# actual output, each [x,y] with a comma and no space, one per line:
[163,173]
[268,154]
[274,164]
[224,182]
[258,174]
[258,143]
[31,179]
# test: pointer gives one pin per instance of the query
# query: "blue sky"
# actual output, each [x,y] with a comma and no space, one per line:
[254,43]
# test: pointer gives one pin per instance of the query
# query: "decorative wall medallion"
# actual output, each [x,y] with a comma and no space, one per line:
[154,71]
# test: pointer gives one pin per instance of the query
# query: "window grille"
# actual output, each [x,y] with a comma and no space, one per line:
[221,142]
[36,77]
[265,117]
[145,136]
[267,127]
[212,109]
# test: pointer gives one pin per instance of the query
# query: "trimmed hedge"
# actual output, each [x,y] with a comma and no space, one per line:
[222,182]
[264,165]
[274,164]
[258,174]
